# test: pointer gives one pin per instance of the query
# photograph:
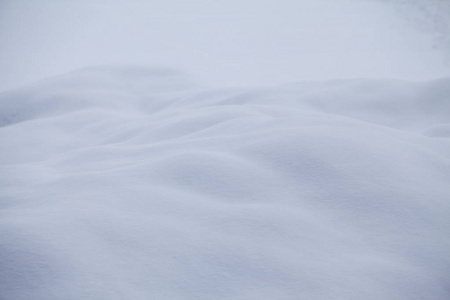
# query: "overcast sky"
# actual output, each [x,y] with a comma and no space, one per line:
[232,42]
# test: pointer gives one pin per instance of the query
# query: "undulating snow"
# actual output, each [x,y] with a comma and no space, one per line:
[125,183]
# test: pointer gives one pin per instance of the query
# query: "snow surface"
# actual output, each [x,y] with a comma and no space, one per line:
[127,183]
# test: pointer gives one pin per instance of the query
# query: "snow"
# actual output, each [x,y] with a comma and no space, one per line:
[228,42]
[134,183]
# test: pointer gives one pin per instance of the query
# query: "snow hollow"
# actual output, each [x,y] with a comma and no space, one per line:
[128,183]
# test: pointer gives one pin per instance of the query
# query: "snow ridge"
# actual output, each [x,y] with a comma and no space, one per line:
[131,183]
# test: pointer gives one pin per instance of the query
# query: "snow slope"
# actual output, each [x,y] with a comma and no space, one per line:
[127,183]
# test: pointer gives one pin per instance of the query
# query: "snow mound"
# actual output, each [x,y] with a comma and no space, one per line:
[128,183]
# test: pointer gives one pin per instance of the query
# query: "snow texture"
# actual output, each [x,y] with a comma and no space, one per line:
[127,183]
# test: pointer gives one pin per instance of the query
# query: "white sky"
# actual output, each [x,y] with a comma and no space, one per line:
[232,42]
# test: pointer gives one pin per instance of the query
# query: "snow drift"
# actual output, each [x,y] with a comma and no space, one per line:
[127,183]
